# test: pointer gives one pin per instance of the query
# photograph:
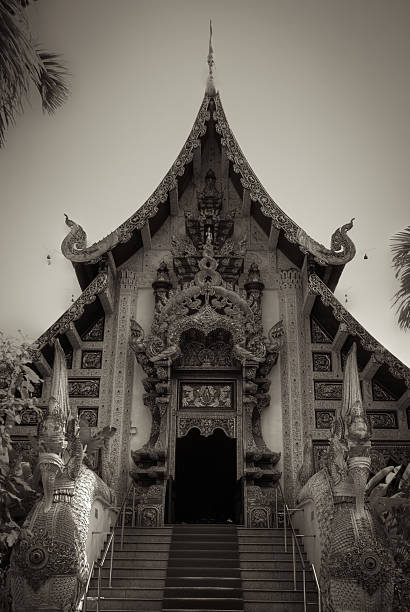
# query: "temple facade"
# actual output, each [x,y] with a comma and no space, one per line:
[209,337]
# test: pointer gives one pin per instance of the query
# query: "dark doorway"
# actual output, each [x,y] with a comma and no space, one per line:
[205,488]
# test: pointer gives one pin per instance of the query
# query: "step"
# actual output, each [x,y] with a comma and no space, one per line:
[277,585]
[206,581]
[143,539]
[265,547]
[199,571]
[138,563]
[121,555]
[130,582]
[128,593]
[132,572]
[145,531]
[205,544]
[204,554]
[278,595]
[269,556]
[145,547]
[203,562]
[276,564]
[273,574]
[204,592]
[121,605]
[197,603]
[279,606]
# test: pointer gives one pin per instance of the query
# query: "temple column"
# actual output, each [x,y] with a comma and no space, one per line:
[292,365]
[122,380]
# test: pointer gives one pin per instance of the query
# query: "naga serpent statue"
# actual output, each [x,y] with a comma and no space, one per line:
[49,567]
[356,561]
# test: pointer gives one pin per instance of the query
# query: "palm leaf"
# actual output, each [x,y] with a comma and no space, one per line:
[21,65]
[401,263]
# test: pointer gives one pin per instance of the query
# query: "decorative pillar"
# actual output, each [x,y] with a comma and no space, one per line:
[292,377]
[122,380]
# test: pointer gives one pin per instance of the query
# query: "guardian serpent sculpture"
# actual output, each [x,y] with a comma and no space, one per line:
[49,568]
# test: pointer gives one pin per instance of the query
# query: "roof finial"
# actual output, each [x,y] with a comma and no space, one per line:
[210,87]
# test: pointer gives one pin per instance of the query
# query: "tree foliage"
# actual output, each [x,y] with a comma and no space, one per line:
[401,263]
[23,64]
[17,382]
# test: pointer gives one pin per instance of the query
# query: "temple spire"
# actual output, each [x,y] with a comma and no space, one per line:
[210,86]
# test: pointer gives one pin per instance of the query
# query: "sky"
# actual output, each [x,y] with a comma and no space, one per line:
[317,93]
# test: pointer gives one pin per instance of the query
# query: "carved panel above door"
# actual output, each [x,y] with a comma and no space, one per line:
[207,396]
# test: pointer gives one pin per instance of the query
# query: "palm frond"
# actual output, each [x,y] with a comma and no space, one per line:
[22,65]
[401,263]
[52,81]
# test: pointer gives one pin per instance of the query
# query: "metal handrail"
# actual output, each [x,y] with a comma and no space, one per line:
[99,563]
[286,518]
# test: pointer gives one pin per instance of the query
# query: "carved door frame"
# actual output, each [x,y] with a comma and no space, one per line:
[233,426]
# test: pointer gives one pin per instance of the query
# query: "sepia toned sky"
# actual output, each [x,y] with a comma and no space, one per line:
[317,93]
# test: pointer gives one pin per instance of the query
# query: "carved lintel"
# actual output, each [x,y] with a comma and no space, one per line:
[146,236]
[73,336]
[173,201]
[370,368]
[246,203]
[340,338]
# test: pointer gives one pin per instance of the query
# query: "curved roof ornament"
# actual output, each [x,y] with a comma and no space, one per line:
[341,251]
[210,85]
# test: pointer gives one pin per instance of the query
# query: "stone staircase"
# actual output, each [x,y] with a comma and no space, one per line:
[199,568]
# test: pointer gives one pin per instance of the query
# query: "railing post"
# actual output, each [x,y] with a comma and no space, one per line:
[294,563]
[304,589]
[276,508]
[284,526]
[122,524]
[98,588]
[111,561]
[133,507]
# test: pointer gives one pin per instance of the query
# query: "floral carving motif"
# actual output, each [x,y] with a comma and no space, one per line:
[83,387]
[213,395]
[207,425]
[95,333]
[318,334]
[90,414]
[380,394]
[386,419]
[322,362]
[91,360]
[328,390]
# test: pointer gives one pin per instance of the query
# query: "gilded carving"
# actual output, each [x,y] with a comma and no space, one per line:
[322,362]
[95,333]
[83,387]
[91,360]
[207,425]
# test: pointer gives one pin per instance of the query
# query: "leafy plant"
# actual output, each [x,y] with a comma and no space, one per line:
[17,382]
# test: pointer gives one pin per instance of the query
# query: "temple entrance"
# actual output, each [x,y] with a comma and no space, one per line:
[205,487]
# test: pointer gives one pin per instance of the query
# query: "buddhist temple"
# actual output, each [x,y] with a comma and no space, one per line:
[208,341]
